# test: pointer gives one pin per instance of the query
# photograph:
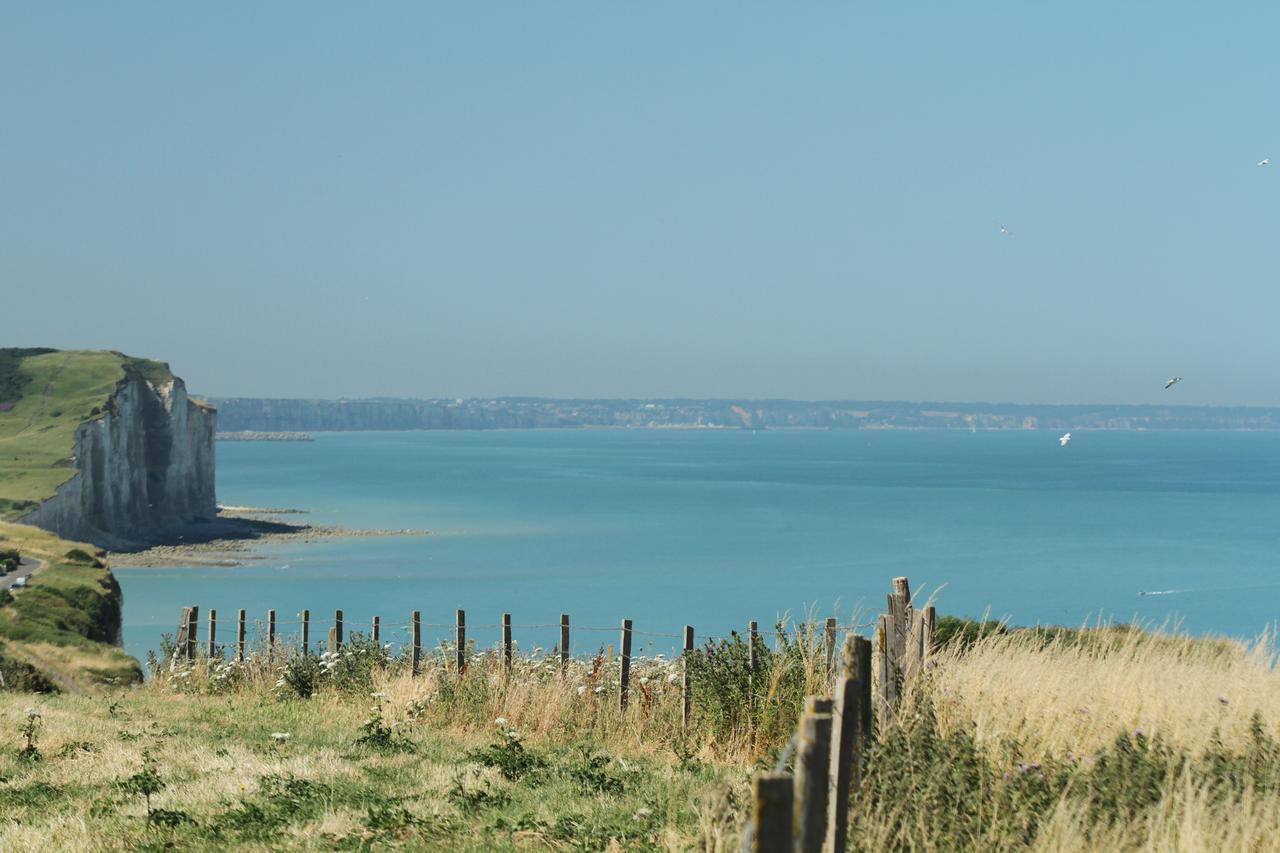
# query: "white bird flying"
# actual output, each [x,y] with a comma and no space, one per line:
[1265,162]
[1174,381]
[1004,230]
[1065,440]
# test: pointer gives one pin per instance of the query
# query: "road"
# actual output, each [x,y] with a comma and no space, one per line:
[26,566]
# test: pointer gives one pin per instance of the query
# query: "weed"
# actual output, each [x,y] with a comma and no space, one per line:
[30,731]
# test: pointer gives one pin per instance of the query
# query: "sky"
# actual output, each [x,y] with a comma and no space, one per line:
[607,199]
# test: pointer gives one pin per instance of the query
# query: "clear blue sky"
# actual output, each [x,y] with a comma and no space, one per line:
[650,199]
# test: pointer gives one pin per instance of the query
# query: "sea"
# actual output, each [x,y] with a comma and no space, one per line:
[714,528]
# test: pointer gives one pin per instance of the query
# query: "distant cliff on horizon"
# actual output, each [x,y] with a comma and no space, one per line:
[286,415]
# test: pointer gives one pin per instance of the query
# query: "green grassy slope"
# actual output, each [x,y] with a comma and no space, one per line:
[64,623]
[43,398]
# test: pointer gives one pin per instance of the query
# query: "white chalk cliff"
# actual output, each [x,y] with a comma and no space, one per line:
[144,465]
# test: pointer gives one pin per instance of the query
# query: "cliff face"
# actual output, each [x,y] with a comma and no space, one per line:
[144,464]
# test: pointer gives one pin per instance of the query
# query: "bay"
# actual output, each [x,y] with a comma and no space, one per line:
[715,528]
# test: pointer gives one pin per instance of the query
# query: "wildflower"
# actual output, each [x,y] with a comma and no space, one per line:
[642,814]
[32,713]
[582,690]
[672,678]
[280,736]
[644,680]
[378,695]
[599,689]
[501,721]
[513,735]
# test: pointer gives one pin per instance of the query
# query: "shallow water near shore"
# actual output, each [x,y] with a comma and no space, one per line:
[715,528]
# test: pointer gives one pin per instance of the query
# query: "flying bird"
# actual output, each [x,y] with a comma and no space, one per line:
[1065,440]
[1265,162]
[1174,381]
[1003,230]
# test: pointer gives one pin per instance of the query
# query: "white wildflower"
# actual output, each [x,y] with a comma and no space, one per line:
[378,695]
[501,721]
[599,689]
[280,736]
[582,691]
[642,814]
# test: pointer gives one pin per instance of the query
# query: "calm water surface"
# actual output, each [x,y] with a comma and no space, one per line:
[716,528]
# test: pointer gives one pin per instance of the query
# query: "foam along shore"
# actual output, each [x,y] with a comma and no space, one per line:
[233,538]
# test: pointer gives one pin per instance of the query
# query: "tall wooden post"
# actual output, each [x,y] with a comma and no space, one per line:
[930,628]
[813,756]
[184,629]
[337,630]
[845,718]
[830,639]
[271,632]
[625,668]
[193,620]
[330,648]
[752,663]
[417,643]
[772,813]
[564,645]
[886,676]
[213,632]
[686,685]
[866,722]
[240,634]
[506,642]
[305,617]
[460,638]
[375,632]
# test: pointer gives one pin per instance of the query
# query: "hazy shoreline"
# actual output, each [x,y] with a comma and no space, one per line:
[236,536]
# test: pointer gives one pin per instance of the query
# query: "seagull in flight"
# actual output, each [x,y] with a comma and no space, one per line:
[1174,381]
[1265,162]
[1065,440]
[1004,232]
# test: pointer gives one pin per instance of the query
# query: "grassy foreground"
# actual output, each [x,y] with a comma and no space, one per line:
[1101,739]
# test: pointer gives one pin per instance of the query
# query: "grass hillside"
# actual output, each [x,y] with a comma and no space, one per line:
[1071,740]
[60,630]
[47,396]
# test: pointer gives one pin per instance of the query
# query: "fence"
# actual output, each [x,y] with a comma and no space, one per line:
[807,810]
[279,637]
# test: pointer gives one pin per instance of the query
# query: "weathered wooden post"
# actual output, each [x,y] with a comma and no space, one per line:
[375,633]
[830,639]
[180,639]
[213,632]
[862,669]
[845,719]
[460,639]
[752,664]
[772,813]
[330,648]
[624,671]
[930,628]
[506,642]
[686,685]
[417,643]
[271,632]
[305,617]
[193,621]
[813,757]
[240,635]
[564,645]
[337,630]
[886,684]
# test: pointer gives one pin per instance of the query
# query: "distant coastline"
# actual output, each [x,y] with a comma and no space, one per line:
[259,435]
[275,417]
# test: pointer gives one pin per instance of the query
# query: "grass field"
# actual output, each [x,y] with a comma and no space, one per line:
[1102,739]
[60,390]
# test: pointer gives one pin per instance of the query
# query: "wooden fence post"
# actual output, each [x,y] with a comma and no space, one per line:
[417,643]
[929,628]
[305,616]
[772,813]
[375,633]
[240,635]
[862,668]
[813,757]
[845,717]
[564,645]
[193,621]
[213,632]
[830,638]
[330,648]
[180,638]
[271,632]
[686,685]
[886,684]
[624,670]
[506,642]
[337,630]
[460,638]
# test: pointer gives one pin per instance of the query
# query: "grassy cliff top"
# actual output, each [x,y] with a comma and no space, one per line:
[44,395]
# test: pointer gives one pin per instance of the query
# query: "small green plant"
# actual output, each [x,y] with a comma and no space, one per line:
[473,799]
[300,677]
[30,731]
[146,783]
[592,775]
[376,733]
[508,755]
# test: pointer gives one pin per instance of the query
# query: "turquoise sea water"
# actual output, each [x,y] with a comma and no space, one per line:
[713,529]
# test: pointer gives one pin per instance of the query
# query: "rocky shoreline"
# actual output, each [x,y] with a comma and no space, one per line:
[234,537]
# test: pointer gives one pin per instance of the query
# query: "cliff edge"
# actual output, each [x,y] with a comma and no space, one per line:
[102,447]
